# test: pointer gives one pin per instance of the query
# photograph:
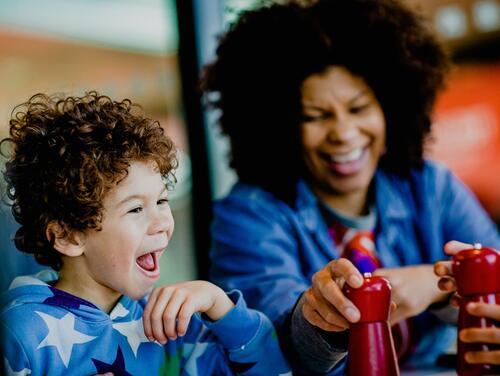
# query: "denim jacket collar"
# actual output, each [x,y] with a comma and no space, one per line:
[388,202]
[389,206]
[307,206]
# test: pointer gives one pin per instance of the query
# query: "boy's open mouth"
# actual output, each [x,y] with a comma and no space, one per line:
[148,263]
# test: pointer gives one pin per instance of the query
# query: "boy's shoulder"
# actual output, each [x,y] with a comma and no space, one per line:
[25,291]
[39,304]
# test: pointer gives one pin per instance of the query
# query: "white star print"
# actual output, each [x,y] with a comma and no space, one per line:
[62,335]
[195,350]
[134,331]
[10,372]
[118,311]
[25,281]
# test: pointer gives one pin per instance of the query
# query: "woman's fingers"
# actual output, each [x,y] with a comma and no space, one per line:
[443,268]
[481,335]
[325,310]
[325,288]
[325,305]
[453,247]
[483,357]
[447,284]
[455,301]
[314,318]
[490,311]
[345,270]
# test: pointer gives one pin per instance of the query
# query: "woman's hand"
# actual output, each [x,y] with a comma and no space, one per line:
[443,268]
[325,306]
[170,307]
[414,289]
[483,335]
[492,311]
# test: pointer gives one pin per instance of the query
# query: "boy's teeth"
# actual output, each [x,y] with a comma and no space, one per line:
[348,157]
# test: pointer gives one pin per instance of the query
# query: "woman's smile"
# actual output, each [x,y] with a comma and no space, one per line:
[343,134]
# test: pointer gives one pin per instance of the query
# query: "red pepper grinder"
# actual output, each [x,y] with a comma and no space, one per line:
[371,347]
[477,273]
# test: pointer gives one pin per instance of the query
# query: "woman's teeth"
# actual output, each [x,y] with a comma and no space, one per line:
[353,155]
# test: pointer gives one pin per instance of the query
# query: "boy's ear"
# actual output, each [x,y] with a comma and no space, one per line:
[67,242]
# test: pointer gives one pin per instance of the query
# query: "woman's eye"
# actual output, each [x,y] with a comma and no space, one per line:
[135,210]
[358,109]
[313,118]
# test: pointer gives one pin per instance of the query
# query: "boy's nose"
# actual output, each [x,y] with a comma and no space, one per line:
[163,222]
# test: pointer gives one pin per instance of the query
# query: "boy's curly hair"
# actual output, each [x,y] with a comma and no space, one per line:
[66,154]
[263,59]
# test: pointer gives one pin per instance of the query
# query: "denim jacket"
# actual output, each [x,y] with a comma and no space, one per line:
[270,250]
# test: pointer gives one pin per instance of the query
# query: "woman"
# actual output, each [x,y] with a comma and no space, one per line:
[327,105]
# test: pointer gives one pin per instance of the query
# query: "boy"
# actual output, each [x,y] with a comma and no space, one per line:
[88,179]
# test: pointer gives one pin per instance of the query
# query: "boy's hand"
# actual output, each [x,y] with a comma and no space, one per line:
[170,307]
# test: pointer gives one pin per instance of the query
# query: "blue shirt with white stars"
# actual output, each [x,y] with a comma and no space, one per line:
[46,331]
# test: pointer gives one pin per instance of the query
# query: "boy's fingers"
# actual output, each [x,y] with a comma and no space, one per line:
[171,313]
[454,247]
[156,315]
[187,310]
[491,311]
[146,315]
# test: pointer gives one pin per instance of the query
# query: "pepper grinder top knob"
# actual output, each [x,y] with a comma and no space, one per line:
[477,271]
[373,298]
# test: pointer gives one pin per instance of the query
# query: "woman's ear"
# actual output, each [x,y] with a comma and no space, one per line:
[68,242]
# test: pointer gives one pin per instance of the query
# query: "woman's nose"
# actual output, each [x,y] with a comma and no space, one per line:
[342,130]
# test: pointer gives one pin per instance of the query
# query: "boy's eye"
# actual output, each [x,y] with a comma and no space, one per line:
[162,201]
[135,210]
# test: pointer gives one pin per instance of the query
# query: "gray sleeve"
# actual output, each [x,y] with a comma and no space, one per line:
[319,352]
[444,311]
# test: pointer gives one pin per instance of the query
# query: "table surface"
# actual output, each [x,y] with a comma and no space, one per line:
[429,372]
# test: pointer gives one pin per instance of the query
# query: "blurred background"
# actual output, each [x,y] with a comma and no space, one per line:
[152,51]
